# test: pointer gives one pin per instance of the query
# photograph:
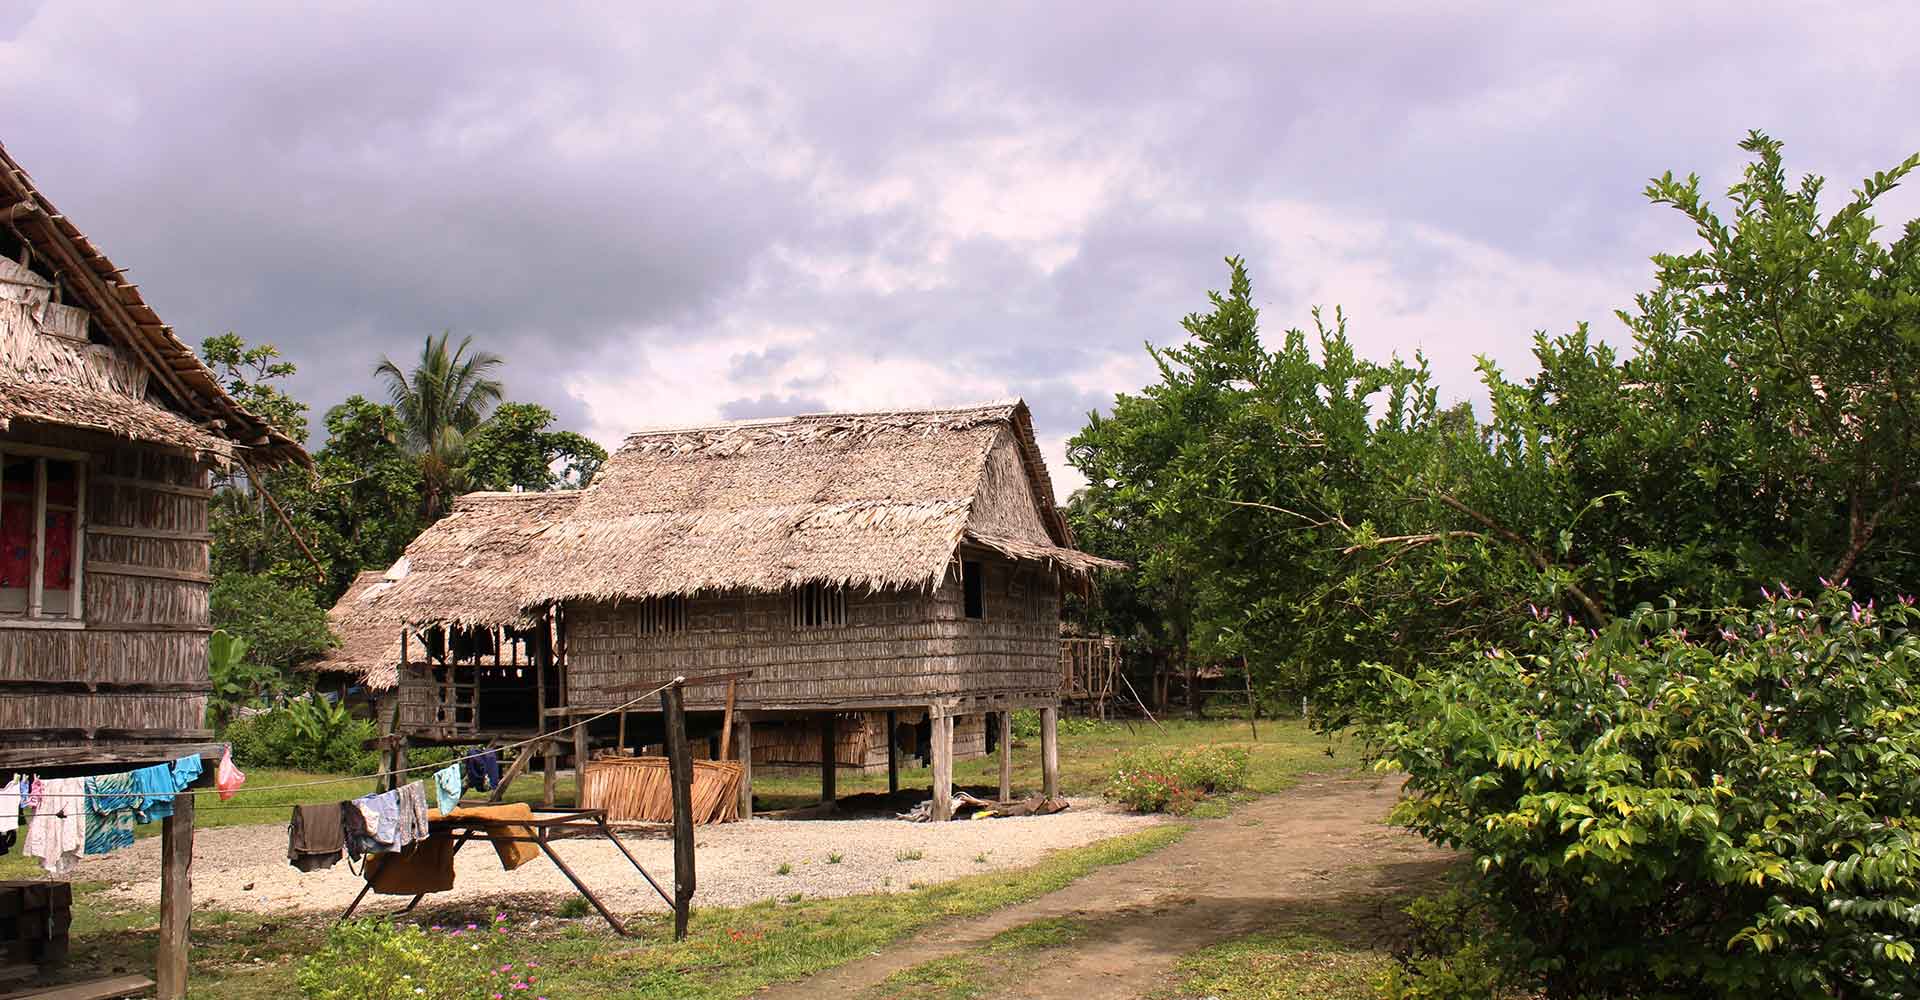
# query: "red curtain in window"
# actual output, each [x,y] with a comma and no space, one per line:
[58,574]
[16,535]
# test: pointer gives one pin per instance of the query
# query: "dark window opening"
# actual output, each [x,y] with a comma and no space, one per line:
[659,615]
[817,605]
[973,585]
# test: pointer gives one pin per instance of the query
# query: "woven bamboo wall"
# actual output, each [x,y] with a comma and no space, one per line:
[897,647]
[139,666]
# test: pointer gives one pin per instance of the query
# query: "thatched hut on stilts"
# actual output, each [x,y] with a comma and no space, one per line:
[888,579]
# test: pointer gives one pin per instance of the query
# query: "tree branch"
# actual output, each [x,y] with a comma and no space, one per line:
[1534,555]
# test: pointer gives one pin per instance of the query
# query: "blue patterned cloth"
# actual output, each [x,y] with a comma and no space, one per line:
[110,812]
[372,823]
[446,788]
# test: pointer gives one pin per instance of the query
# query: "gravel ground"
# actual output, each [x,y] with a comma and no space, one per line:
[245,868]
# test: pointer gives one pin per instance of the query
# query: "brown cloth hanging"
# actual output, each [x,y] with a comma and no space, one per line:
[315,837]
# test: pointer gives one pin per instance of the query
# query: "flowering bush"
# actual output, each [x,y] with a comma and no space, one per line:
[1175,780]
[1724,809]
[376,960]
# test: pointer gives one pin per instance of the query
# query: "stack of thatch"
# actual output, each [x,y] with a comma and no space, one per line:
[641,788]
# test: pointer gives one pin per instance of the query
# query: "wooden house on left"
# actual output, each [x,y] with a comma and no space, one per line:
[110,431]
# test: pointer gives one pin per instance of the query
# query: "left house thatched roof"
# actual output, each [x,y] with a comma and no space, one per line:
[149,387]
[453,573]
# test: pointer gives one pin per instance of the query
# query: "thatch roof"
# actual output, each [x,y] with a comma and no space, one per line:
[71,383]
[369,634]
[869,500]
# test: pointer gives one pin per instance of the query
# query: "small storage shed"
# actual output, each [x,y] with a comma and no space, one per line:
[851,566]
[110,430]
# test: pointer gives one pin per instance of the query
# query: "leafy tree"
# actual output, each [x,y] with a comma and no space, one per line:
[278,627]
[251,375]
[369,491]
[514,450]
[445,396]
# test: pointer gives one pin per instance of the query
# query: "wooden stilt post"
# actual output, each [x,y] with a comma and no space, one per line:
[743,735]
[893,752]
[176,899]
[1006,756]
[549,765]
[942,768]
[680,763]
[1050,751]
[621,740]
[579,765]
[829,762]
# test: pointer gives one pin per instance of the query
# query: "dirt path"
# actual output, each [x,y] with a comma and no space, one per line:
[1295,852]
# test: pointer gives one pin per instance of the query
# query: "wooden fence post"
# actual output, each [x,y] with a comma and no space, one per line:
[680,765]
[176,899]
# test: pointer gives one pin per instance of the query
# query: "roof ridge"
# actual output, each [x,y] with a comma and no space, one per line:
[1006,403]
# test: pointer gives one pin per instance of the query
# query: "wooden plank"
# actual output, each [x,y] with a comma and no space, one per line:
[93,989]
[942,768]
[744,734]
[1006,756]
[1050,752]
[680,761]
[829,762]
[176,899]
[147,572]
[520,761]
[157,487]
[124,531]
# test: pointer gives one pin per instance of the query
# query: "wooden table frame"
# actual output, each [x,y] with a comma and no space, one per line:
[547,826]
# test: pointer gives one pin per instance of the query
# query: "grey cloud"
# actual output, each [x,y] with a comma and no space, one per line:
[769,405]
[597,187]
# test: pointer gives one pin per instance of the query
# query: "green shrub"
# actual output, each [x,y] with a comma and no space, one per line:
[310,734]
[1449,956]
[1723,813]
[1174,781]
[374,960]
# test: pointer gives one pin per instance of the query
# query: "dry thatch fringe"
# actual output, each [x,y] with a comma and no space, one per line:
[52,380]
[121,312]
[369,634]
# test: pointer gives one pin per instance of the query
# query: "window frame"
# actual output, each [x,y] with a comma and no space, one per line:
[973,590]
[663,614]
[815,606]
[35,616]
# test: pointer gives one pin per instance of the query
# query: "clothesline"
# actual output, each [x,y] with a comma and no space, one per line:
[463,758]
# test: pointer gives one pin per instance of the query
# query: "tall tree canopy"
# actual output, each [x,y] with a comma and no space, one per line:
[443,398]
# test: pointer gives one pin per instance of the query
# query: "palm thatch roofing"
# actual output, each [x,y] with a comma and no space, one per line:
[881,500]
[143,384]
[369,636]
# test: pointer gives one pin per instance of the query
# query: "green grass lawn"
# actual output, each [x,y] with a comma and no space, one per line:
[1285,749]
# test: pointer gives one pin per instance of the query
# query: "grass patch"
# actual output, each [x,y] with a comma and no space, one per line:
[957,977]
[1285,964]
[1285,750]
[730,952]
[1037,935]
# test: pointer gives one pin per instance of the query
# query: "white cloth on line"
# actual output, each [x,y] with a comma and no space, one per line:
[57,831]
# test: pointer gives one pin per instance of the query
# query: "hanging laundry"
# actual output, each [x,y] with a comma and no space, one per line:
[153,789]
[425,866]
[56,833]
[10,797]
[372,824]
[187,770]
[483,770]
[228,778]
[316,836]
[30,794]
[413,813]
[446,787]
[109,810]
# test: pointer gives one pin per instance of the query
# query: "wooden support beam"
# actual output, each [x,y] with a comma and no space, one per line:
[743,734]
[1006,756]
[829,763]
[726,722]
[550,763]
[942,768]
[176,899]
[680,764]
[579,765]
[893,752]
[519,764]
[1050,752]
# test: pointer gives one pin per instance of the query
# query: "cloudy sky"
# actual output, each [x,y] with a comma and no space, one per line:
[674,215]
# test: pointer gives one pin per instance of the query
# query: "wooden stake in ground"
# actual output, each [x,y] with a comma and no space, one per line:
[176,898]
[680,760]
[1006,756]
[1050,752]
[942,768]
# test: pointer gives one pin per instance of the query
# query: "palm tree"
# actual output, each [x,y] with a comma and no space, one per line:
[447,395]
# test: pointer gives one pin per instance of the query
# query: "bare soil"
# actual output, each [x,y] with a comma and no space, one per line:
[1317,846]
